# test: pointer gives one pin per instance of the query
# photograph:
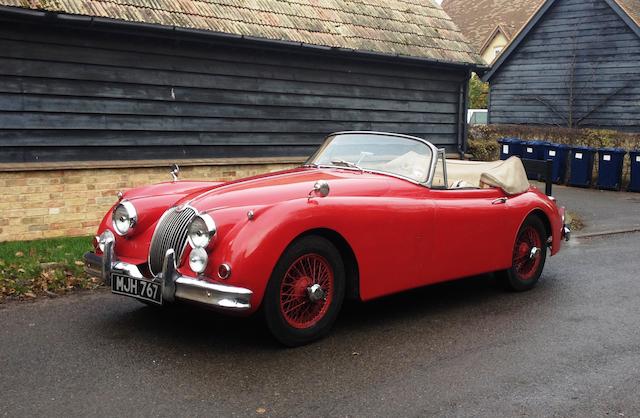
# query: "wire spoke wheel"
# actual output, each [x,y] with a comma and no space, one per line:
[526,253]
[528,258]
[306,291]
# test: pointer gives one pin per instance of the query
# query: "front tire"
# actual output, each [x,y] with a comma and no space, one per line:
[305,291]
[529,256]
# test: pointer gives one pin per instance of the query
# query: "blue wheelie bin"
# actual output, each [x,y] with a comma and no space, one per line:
[535,150]
[557,153]
[510,147]
[610,162]
[634,184]
[530,150]
[581,166]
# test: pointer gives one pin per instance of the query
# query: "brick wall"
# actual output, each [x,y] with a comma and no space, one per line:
[52,201]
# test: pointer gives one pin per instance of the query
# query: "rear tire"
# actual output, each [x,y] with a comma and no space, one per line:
[305,292]
[529,256]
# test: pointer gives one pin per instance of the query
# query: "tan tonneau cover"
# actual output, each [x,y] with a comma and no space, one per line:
[508,175]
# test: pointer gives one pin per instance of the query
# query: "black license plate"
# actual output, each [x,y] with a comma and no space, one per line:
[136,288]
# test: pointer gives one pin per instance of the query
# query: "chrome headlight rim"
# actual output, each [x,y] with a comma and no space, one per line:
[201,237]
[132,217]
[198,260]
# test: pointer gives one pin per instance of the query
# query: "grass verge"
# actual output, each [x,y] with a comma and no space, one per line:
[49,267]
[575,221]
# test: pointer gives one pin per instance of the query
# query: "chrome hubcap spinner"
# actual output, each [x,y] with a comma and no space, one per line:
[315,292]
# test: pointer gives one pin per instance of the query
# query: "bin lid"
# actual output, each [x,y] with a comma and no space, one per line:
[582,148]
[557,146]
[612,150]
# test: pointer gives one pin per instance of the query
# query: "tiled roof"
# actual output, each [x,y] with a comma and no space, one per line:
[416,28]
[632,8]
[478,19]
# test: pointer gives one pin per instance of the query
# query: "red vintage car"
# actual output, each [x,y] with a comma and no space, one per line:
[370,214]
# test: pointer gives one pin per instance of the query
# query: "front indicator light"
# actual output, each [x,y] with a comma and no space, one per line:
[198,259]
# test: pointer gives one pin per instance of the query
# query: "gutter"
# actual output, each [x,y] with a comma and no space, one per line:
[98,22]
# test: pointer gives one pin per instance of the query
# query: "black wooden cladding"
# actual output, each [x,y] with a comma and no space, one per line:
[606,74]
[77,94]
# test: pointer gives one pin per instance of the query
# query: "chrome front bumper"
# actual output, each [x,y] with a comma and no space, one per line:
[174,285]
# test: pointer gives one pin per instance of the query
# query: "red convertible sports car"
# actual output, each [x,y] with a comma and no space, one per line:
[370,214]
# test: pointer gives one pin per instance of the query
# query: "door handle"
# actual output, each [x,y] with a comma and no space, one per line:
[499,201]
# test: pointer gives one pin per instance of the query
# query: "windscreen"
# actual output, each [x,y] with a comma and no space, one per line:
[397,155]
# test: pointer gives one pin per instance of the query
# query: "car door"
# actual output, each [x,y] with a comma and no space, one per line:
[473,232]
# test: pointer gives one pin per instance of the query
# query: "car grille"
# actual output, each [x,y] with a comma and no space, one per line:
[171,232]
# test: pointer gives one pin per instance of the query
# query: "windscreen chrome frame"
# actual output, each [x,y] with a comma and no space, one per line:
[435,154]
[442,154]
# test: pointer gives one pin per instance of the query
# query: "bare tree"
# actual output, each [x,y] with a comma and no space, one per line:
[578,89]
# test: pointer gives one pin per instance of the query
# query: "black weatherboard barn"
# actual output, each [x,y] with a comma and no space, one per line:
[113,80]
[576,63]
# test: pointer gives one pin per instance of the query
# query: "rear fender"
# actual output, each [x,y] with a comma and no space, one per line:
[553,215]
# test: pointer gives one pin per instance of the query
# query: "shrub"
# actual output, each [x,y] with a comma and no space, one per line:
[483,139]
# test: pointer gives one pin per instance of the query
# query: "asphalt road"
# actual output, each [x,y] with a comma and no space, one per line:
[571,347]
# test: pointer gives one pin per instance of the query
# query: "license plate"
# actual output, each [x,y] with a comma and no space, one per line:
[136,288]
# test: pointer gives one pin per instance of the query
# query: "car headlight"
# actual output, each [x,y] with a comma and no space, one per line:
[198,260]
[106,236]
[201,231]
[124,217]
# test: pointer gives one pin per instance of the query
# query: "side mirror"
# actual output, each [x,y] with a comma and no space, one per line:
[320,188]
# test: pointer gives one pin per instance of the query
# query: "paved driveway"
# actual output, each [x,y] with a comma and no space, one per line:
[601,210]
[571,347]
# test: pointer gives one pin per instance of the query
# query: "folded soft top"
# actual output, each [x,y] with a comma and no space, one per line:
[508,175]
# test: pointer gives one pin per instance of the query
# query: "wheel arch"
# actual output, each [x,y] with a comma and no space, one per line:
[352,290]
[540,214]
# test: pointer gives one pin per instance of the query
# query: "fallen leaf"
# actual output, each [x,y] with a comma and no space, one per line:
[355,353]
[30,295]
[78,263]
[19,254]
[261,411]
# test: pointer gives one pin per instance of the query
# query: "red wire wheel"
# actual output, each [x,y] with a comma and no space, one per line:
[528,257]
[306,291]
[525,263]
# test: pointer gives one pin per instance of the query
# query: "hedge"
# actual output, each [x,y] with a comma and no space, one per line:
[483,140]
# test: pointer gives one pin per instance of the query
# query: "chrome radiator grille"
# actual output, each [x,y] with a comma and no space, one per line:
[171,232]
